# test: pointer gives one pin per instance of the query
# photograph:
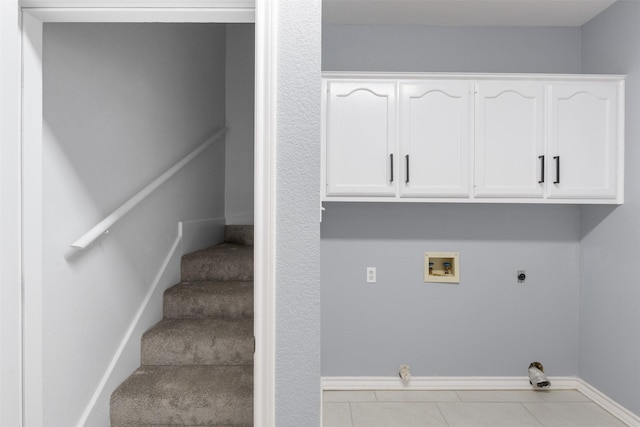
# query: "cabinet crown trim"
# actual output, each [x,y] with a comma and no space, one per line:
[373,75]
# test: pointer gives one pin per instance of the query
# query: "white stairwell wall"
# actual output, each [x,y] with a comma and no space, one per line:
[239,112]
[122,103]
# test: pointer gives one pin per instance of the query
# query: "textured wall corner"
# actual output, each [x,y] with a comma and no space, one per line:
[298,230]
[608,298]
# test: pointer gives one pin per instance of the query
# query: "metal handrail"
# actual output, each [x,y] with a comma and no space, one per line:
[104,225]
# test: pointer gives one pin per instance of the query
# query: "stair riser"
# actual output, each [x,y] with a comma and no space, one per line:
[172,425]
[232,264]
[239,234]
[217,275]
[174,310]
[240,414]
[230,352]
[231,300]
[199,342]
[184,396]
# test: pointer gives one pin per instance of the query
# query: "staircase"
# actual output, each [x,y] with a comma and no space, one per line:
[197,362]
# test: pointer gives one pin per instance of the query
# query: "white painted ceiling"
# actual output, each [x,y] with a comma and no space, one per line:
[537,13]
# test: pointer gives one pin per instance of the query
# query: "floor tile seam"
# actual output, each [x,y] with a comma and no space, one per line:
[531,413]
[446,420]
[500,401]
[483,403]
[457,392]
[443,416]
[605,410]
[435,404]
[611,414]
[581,398]
[351,413]
[584,403]
[399,402]
[521,403]
[379,399]
[492,403]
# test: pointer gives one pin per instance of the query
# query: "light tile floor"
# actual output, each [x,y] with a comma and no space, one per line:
[469,408]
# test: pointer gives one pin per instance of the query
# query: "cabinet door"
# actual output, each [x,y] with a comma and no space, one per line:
[361,138]
[583,140]
[510,139]
[435,138]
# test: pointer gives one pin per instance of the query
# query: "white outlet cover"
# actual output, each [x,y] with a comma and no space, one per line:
[371,275]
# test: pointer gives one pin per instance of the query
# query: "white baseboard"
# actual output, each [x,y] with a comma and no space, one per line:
[441,383]
[240,219]
[611,406]
[480,383]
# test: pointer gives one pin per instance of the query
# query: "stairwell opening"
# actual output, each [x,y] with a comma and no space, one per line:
[121,103]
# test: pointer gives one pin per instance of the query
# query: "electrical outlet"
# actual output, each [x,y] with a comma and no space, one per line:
[371,275]
[522,276]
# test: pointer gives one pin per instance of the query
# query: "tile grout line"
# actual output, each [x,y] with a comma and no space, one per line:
[442,413]
[351,413]
[378,398]
[531,413]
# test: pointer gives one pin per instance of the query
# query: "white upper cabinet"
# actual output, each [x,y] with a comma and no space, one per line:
[584,142]
[477,138]
[361,130]
[435,138]
[510,139]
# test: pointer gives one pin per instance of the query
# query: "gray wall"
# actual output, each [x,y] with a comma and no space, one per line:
[122,103]
[297,275]
[239,111]
[450,49]
[610,239]
[488,324]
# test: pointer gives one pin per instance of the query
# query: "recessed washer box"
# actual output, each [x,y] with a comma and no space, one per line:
[442,267]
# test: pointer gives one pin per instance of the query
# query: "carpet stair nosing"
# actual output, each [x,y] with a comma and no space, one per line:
[185,395]
[209,299]
[199,341]
[222,262]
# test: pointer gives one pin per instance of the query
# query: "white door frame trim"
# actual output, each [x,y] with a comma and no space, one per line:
[264,401]
[10,216]
[32,289]
[264,173]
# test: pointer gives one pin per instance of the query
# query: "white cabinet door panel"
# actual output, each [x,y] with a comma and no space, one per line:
[435,132]
[361,138]
[509,139]
[512,138]
[583,140]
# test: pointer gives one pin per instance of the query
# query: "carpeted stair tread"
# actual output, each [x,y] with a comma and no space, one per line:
[185,395]
[223,262]
[209,299]
[197,363]
[239,234]
[203,341]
